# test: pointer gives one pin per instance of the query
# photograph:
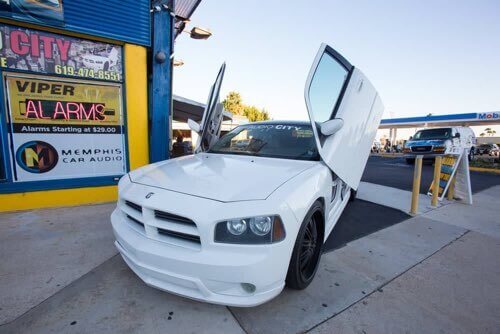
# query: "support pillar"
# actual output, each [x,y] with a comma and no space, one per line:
[161,85]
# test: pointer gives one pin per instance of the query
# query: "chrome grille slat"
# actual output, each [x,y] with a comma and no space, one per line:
[135,220]
[134,206]
[173,218]
[179,235]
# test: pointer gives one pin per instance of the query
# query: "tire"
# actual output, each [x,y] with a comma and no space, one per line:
[410,161]
[307,250]
[352,196]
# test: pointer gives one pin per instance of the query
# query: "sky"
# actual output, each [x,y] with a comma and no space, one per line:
[429,56]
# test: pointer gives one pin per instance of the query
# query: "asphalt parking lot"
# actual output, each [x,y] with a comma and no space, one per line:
[395,172]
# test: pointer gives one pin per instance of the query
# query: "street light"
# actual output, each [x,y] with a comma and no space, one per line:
[178,62]
[200,33]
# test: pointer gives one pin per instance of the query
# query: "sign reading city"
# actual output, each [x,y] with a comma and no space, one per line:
[43,52]
[63,128]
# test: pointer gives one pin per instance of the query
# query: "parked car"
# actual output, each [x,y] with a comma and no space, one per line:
[439,141]
[490,149]
[249,212]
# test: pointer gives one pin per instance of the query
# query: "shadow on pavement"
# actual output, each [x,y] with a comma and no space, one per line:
[359,219]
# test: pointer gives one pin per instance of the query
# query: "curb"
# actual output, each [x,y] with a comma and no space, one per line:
[386,155]
[487,170]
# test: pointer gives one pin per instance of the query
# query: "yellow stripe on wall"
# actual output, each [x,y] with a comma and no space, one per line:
[137,126]
[136,80]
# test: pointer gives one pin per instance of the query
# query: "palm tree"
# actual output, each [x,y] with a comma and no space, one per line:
[490,132]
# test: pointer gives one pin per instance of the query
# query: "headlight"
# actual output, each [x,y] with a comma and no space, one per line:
[251,230]
[237,226]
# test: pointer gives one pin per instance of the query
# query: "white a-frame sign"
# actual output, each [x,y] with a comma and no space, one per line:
[458,167]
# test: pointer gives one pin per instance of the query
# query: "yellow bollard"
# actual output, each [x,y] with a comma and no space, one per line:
[435,182]
[417,175]
[451,189]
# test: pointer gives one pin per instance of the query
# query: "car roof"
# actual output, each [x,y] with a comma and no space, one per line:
[287,122]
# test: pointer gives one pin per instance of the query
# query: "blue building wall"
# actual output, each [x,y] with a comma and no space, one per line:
[122,20]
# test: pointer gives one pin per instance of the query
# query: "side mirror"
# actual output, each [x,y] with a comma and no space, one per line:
[194,126]
[411,137]
[457,135]
[330,127]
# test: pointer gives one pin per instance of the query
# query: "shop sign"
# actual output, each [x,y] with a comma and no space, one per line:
[43,52]
[63,128]
[40,11]
[489,116]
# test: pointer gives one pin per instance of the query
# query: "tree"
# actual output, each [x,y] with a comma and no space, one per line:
[490,132]
[234,104]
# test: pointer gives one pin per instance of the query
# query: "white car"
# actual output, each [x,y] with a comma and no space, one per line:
[233,224]
[98,62]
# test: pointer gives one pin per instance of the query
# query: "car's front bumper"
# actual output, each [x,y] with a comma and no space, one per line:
[426,155]
[209,272]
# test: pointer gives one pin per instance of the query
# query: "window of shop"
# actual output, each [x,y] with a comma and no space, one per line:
[62,118]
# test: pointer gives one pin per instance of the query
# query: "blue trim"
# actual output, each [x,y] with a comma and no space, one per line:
[4,132]
[426,119]
[120,20]
[161,86]
[29,186]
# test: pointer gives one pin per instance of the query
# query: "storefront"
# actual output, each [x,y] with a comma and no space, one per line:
[74,99]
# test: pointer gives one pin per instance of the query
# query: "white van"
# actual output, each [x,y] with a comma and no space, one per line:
[439,141]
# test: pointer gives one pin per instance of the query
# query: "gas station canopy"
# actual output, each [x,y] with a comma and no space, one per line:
[469,119]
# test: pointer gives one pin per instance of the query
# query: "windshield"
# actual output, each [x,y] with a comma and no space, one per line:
[287,141]
[433,134]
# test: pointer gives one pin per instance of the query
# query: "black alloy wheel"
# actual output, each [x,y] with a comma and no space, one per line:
[307,250]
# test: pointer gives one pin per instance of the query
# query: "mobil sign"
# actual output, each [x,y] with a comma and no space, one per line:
[489,116]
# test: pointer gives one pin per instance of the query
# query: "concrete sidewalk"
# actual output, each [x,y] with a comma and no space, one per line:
[433,273]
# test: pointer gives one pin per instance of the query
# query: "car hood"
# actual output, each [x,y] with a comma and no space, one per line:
[221,177]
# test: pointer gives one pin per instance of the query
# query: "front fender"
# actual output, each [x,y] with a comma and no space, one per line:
[301,191]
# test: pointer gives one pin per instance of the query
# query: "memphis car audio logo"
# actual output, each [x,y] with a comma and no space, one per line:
[37,156]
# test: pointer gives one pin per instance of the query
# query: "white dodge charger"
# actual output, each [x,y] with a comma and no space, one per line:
[248,213]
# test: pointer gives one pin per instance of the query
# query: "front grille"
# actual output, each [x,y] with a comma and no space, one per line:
[421,148]
[173,218]
[161,225]
[134,206]
[179,235]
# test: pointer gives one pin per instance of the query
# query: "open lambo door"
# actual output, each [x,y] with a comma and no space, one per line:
[209,129]
[345,112]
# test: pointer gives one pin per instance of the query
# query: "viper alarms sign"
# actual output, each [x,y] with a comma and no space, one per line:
[62,128]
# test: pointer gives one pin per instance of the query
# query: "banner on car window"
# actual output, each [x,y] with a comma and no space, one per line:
[39,11]
[43,52]
[63,128]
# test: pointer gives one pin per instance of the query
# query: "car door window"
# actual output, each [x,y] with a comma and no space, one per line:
[326,87]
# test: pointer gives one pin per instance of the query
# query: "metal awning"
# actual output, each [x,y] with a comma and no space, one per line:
[186,108]
[183,11]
